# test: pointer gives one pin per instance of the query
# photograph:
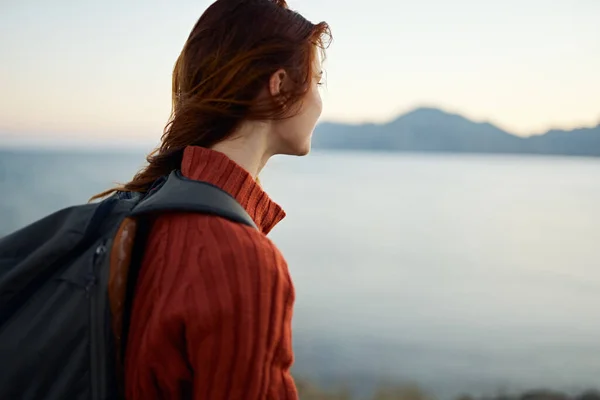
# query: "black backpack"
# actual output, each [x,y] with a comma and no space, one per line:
[56,340]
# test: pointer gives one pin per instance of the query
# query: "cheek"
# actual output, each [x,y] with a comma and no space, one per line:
[319,101]
[305,121]
[316,107]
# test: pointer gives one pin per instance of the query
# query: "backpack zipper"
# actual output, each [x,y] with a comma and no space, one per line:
[97,295]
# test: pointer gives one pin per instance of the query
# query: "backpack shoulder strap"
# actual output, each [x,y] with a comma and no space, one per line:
[175,194]
[179,193]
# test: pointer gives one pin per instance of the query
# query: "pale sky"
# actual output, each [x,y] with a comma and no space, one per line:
[102,69]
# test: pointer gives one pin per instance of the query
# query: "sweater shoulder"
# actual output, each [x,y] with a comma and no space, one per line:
[220,256]
[216,240]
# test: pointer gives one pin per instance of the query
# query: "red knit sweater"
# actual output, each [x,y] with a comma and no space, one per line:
[212,312]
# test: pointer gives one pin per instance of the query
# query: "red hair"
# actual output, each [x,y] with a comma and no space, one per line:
[227,60]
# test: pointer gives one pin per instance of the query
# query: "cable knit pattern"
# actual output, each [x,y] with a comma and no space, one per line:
[213,307]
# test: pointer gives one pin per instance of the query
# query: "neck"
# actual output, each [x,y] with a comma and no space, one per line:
[248,146]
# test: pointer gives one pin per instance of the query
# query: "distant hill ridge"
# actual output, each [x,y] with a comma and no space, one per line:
[434,130]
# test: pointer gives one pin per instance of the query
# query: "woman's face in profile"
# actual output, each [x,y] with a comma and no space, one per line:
[294,134]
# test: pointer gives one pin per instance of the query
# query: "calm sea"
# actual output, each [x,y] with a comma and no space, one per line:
[461,273]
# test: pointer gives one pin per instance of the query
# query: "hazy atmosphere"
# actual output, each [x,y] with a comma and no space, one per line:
[443,233]
[100,71]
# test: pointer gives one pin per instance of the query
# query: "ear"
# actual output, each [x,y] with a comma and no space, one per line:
[277,82]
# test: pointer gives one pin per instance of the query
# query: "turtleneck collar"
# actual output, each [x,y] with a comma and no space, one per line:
[211,166]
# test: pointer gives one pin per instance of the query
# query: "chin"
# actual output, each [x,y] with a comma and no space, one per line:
[304,152]
[304,149]
[298,149]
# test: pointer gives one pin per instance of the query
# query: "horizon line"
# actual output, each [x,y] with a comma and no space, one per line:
[17,138]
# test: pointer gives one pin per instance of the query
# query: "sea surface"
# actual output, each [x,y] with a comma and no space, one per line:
[462,273]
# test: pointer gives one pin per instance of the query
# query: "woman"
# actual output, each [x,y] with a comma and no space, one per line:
[211,316]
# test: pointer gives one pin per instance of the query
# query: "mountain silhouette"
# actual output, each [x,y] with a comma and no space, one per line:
[434,130]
